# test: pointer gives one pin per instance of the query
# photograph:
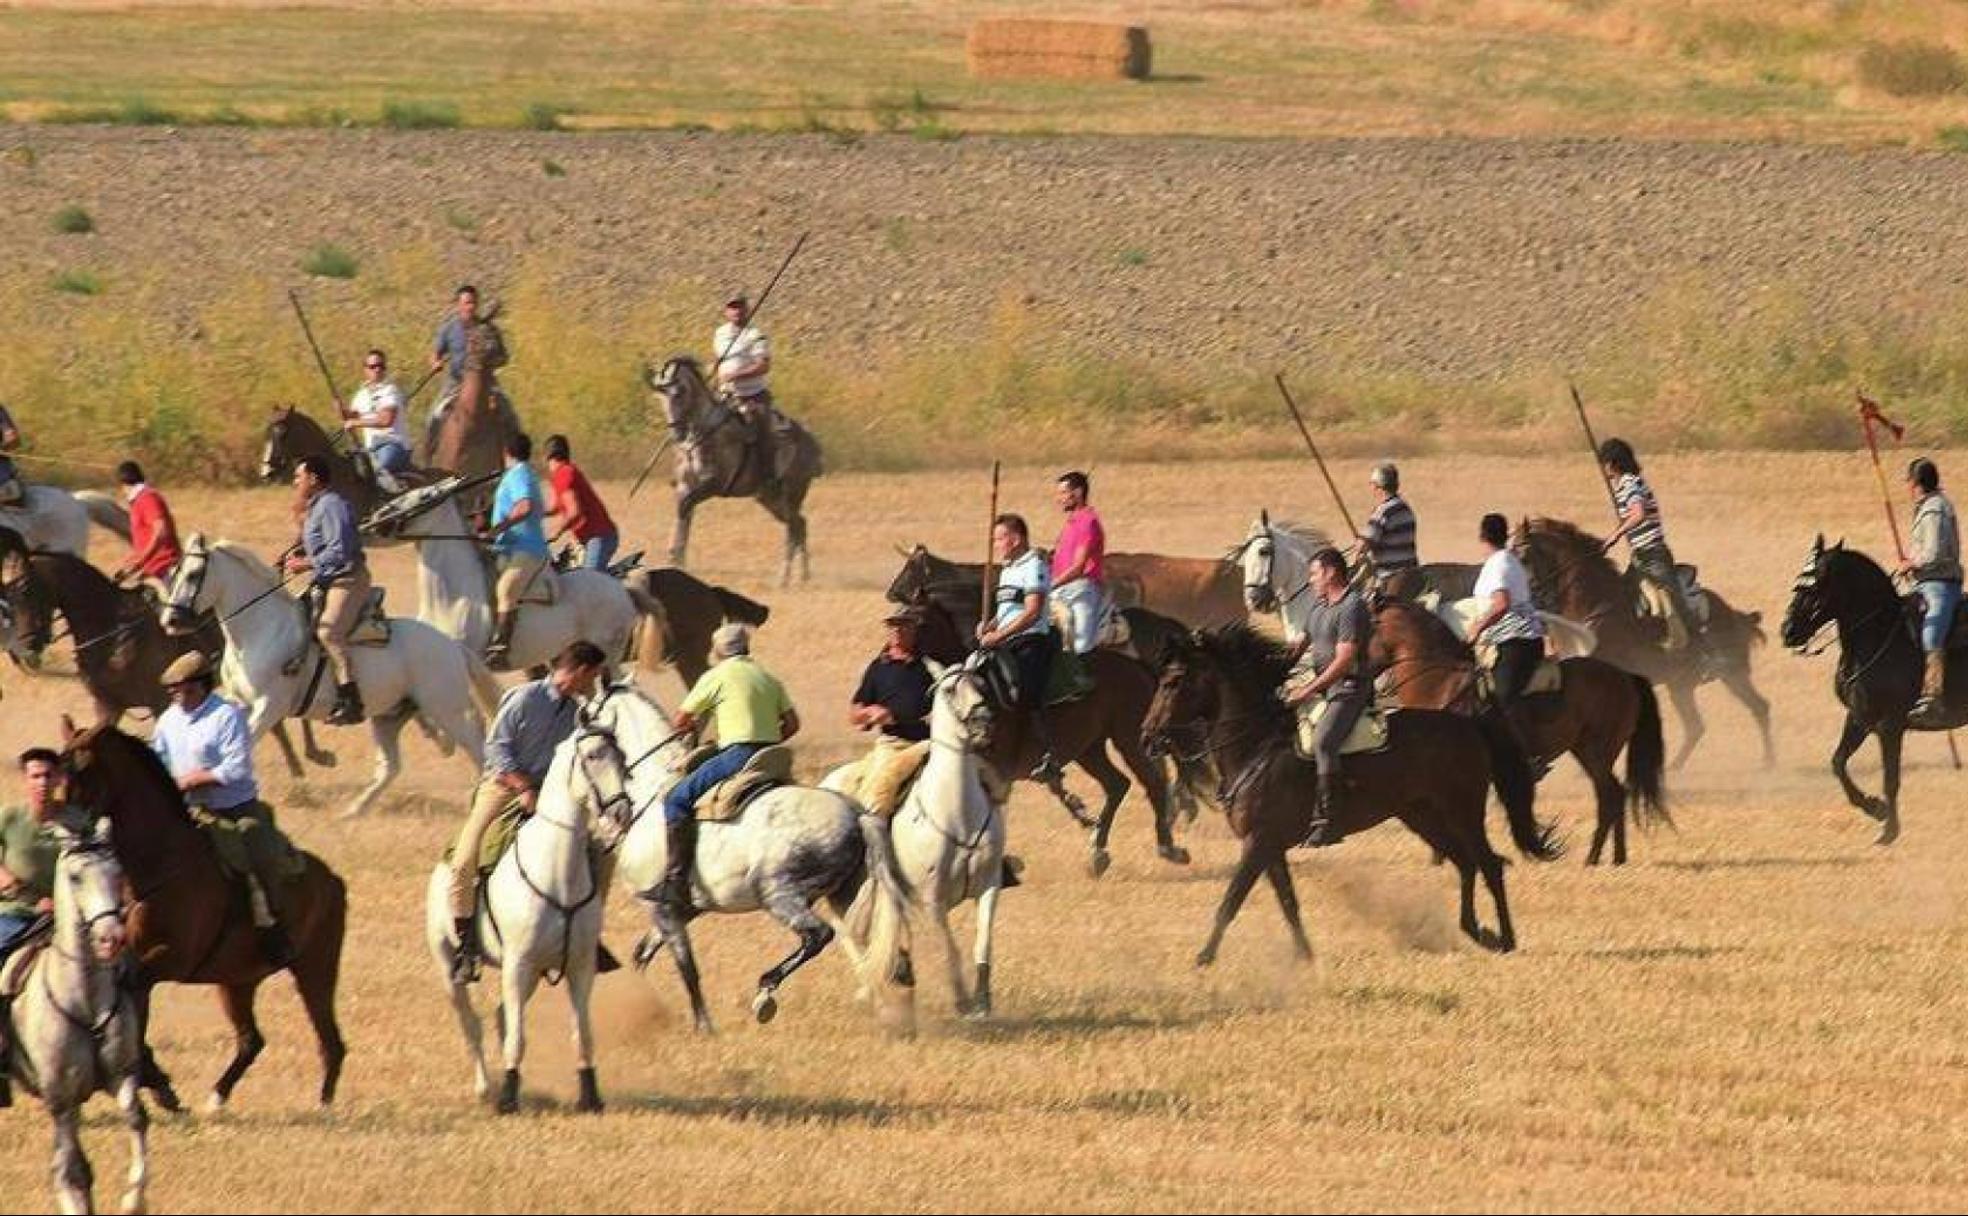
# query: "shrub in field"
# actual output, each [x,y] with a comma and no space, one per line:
[1911,68]
[420,115]
[78,283]
[330,262]
[72,220]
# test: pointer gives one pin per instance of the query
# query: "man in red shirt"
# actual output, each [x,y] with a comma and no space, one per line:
[574,501]
[154,550]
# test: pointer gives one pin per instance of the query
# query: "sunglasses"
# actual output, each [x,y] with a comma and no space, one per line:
[374,367]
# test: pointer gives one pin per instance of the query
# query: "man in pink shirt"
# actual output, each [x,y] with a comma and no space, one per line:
[1079,575]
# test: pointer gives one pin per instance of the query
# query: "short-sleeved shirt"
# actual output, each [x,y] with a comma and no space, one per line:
[373,399]
[1333,623]
[1082,534]
[1520,622]
[902,687]
[150,519]
[1632,488]
[1390,536]
[732,347]
[29,851]
[746,702]
[1023,577]
[575,494]
[528,537]
[213,737]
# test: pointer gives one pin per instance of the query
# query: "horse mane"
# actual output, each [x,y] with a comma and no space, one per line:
[1580,551]
[244,556]
[141,758]
[1258,664]
[293,414]
[1863,567]
[1305,534]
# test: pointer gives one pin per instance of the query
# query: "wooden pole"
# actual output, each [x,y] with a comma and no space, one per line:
[1352,533]
[990,587]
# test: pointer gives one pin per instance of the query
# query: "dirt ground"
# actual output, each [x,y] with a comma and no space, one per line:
[1762,1012]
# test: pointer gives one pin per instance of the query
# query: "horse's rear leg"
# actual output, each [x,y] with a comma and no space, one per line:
[130,1098]
[1506,939]
[1260,854]
[1279,872]
[1609,804]
[1114,787]
[151,1074]
[237,1001]
[386,730]
[1692,726]
[316,974]
[74,1179]
[1737,681]
[791,910]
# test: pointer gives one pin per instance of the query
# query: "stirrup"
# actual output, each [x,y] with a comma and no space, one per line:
[1047,770]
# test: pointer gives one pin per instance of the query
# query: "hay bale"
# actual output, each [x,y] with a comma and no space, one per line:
[1042,47]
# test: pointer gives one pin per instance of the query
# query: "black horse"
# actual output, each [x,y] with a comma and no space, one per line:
[1219,694]
[1879,665]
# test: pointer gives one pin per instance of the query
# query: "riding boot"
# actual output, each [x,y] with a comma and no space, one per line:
[674,895]
[1046,771]
[502,631]
[464,963]
[1932,706]
[347,710]
[1320,828]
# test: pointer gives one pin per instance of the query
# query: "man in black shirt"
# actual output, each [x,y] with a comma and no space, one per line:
[893,700]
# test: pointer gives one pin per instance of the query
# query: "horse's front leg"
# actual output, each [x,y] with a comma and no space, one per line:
[1854,734]
[580,993]
[1692,726]
[130,1098]
[671,932]
[1260,854]
[517,978]
[987,916]
[1889,757]
[688,496]
[287,752]
[74,1179]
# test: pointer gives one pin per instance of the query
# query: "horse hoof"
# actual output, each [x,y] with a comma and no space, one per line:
[1174,854]
[1874,808]
[979,1011]
[215,1104]
[704,1026]
[1205,958]
[167,1100]
[1890,832]
[1097,863]
[133,1205]
[765,1007]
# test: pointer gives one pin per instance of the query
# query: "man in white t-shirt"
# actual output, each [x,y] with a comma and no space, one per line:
[742,360]
[375,415]
[1507,620]
[1021,630]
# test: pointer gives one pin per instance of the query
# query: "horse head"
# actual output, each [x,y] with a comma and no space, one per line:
[1187,697]
[962,713]
[600,785]
[1816,595]
[681,384]
[117,777]
[89,893]
[291,436]
[185,603]
[1258,557]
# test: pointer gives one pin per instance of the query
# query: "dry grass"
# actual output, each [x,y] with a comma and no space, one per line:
[1656,68]
[1762,1013]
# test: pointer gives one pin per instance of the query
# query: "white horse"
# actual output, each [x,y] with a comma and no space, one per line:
[454,591]
[949,834]
[812,858]
[541,912]
[1277,561]
[53,520]
[420,673]
[76,1029]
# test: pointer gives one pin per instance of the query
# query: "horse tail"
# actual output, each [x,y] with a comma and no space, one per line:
[1646,760]
[737,608]
[880,917]
[105,512]
[485,690]
[653,643]
[1516,786]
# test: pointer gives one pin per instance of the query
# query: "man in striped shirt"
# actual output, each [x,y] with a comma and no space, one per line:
[1640,524]
[1389,540]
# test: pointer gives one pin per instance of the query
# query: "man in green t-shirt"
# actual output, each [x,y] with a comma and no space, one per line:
[28,852]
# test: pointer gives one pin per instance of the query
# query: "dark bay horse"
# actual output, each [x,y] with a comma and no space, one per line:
[1571,576]
[190,923]
[1082,730]
[1598,712]
[1218,695]
[292,436]
[469,436]
[692,612]
[1879,666]
[716,459]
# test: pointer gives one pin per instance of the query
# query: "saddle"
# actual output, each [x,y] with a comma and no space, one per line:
[1549,677]
[497,841]
[1115,633]
[770,768]
[372,627]
[1651,600]
[19,965]
[1369,734]
[570,557]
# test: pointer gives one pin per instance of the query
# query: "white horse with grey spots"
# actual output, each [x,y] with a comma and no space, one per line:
[812,858]
[75,1029]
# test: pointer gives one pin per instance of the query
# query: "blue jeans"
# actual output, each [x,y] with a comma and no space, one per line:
[1941,598]
[391,456]
[682,798]
[13,926]
[601,550]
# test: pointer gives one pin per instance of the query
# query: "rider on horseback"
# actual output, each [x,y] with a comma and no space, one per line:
[742,361]
[376,415]
[532,721]
[519,539]
[1508,620]
[893,699]
[465,339]
[1935,568]
[28,851]
[1336,638]
[1640,524]
[752,712]
[206,745]
[579,508]
[1079,584]
[1388,543]
[1021,628]
[331,547]
[154,547]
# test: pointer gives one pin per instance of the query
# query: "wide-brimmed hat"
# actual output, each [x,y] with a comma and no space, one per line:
[732,639]
[192,665]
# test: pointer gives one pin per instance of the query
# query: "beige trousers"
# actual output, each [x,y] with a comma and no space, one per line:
[489,801]
[341,608]
[886,770]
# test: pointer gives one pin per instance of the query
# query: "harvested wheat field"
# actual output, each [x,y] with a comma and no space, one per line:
[1763,1011]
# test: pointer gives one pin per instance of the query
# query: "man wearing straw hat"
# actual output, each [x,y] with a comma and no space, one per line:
[204,742]
[748,709]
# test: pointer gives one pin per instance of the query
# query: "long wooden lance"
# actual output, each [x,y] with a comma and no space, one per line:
[1352,533]
[990,586]
[1592,442]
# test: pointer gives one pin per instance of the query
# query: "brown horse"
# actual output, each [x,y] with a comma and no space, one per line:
[1081,732]
[1198,591]
[716,458]
[692,612]
[292,437]
[469,437]
[190,923]
[1571,576]
[1218,695]
[1598,712]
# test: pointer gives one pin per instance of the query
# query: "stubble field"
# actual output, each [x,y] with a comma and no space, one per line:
[1762,1012]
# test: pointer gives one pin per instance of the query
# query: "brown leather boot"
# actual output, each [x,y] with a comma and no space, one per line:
[1931,708]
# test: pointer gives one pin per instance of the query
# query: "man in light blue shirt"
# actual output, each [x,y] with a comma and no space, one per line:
[331,552]
[204,741]
[1021,630]
[519,539]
